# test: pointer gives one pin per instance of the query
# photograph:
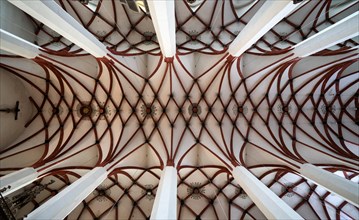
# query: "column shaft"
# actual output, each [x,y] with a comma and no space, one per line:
[271,13]
[344,188]
[165,204]
[267,201]
[53,16]
[18,179]
[343,30]
[163,18]
[62,204]
[17,45]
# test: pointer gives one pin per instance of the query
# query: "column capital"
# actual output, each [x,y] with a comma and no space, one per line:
[230,58]
[169,59]
[170,163]
[234,162]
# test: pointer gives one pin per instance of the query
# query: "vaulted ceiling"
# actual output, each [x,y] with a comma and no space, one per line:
[202,111]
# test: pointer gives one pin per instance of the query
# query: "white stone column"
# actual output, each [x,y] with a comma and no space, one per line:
[165,204]
[18,46]
[18,179]
[53,16]
[62,204]
[342,187]
[267,201]
[271,13]
[343,30]
[163,18]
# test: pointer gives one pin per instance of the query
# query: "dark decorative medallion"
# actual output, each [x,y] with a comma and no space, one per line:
[148,37]
[195,190]
[284,108]
[240,109]
[148,192]
[57,110]
[102,110]
[289,188]
[148,110]
[194,109]
[193,37]
[101,192]
[85,110]
[324,109]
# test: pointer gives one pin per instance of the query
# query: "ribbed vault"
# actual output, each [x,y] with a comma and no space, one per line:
[202,111]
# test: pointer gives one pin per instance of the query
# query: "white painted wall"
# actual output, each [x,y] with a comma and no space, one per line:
[12,90]
[16,22]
